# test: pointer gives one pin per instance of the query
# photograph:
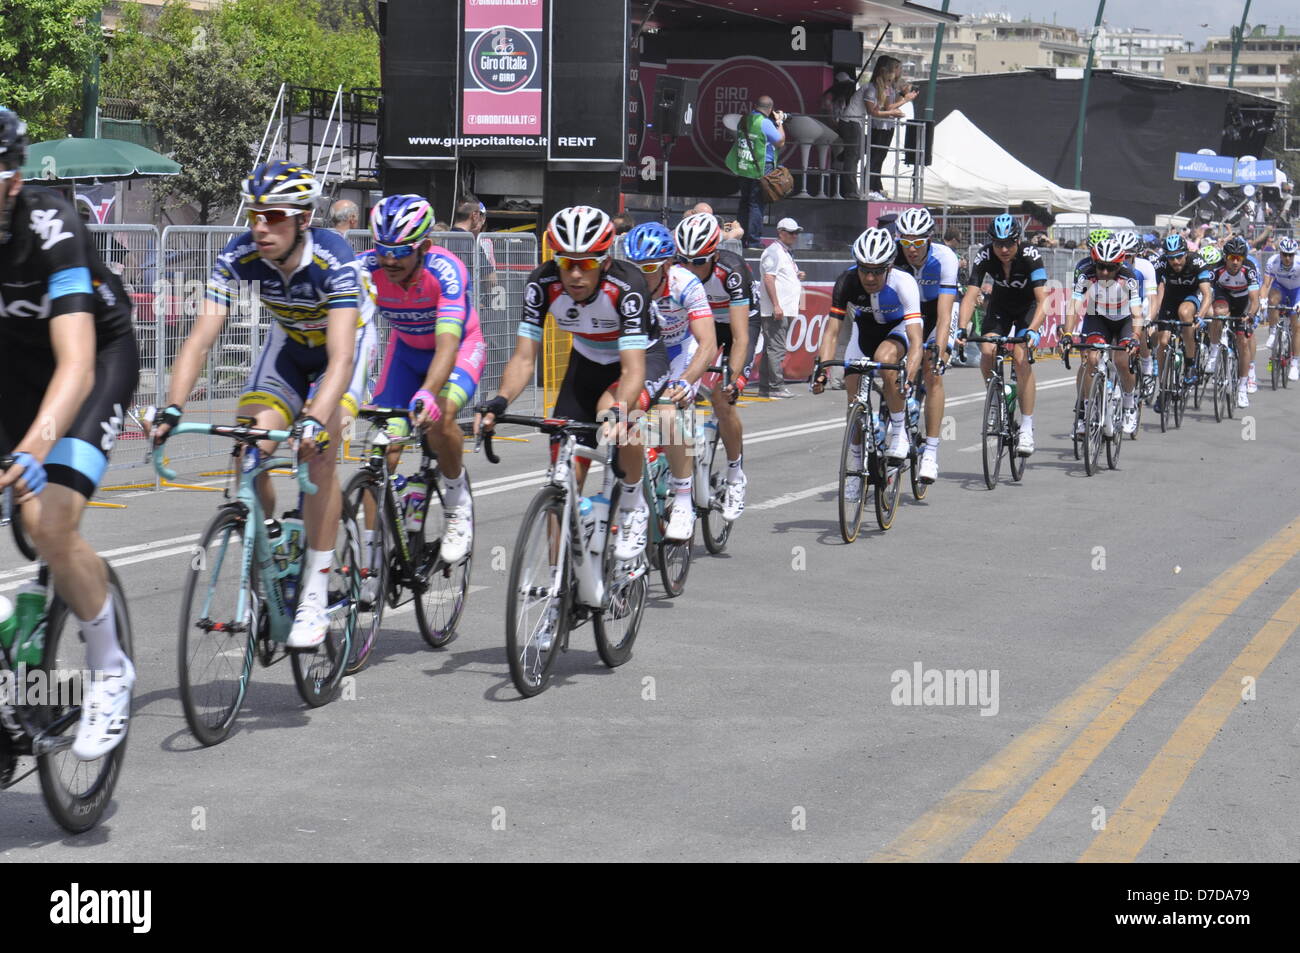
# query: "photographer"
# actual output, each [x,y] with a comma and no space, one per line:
[849,113]
[753,155]
[884,98]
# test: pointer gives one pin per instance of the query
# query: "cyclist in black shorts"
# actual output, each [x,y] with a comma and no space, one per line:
[1236,295]
[1188,295]
[68,370]
[1017,304]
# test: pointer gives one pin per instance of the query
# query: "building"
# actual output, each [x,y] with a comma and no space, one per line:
[1136,50]
[1264,65]
[992,43]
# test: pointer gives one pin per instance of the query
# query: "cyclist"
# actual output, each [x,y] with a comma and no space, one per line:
[1107,302]
[1236,295]
[727,282]
[1282,290]
[1095,238]
[884,304]
[1186,296]
[935,268]
[312,368]
[602,302]
[1149,293]
[423,291]
[1017,304]
[68,369]
[686,331]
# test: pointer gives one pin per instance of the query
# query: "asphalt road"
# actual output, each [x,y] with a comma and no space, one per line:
[1131,632]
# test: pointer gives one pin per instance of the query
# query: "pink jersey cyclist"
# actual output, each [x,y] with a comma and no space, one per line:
[436,302]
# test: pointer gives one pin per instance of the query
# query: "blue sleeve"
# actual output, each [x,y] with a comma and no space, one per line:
[69,281]
[770,130]
[1038,276]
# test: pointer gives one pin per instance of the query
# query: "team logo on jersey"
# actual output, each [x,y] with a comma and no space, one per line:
[632,305]
[533,296]
[733,281]
[503,59]
[47,224]
[572,314]
[446,273]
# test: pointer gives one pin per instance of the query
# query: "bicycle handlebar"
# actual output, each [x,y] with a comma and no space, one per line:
[547,425]
[239,433]
[859,366]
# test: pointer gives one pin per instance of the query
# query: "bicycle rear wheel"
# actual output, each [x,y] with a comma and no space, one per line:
[439,607]
[1285,348]
[1115,442]
[364,496]
[76,792]
[1219,387]
[1231,381]
[318,672]
[994,425]
[537,602]
[851,473]
[674,559]
[618,620]
[1168,389]
[919,489]
[715,529]
[1093,430]
[889,483]
[1277,371]
[1015,461]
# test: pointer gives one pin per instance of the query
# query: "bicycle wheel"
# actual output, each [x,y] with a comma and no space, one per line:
[919,489]
[1094,433]
[1115,442]
[362,490]
[1284,349]
[1220,387]
[889,483]
[215,652]
[994,410]
[618,620]
[1169,388]
[75,792]
[439,607]
[537,603]
[1180,392]
[1203,379]
[851,509]
[1231,381]
[1014,460]
[716,530]
[1277,372]
[318,672]
[674,559]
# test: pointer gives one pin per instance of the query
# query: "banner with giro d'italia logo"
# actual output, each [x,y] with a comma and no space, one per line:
[503,89]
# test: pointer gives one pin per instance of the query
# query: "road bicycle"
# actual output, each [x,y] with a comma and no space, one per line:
[242,587]
[709,483]
[563,571]
[1102,411]
[42,676]
[867,467]
[1000,428]
[403,565]
[1173,392]
[1226,373]
[1283,349]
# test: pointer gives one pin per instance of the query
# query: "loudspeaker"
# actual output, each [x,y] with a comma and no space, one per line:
[675,98]
[846,49]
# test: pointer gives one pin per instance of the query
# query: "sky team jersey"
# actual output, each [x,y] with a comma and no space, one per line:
[1111,298]
[437,301]
[938,274]
[729,283]
[1181,285]
[680,301]
[1228,285]
[1288,278]
[616,318]
[1014,287]
[328,278]
[49,268]
[899,302]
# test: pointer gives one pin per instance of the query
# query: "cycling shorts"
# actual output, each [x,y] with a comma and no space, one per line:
[1236,305]
[286,373]
[405,367]
[585,381]
[863,346]
[679,357]
[1290,297]
[1099,330]
[78,460]
[1169,309]
[723,331]
[1006,322]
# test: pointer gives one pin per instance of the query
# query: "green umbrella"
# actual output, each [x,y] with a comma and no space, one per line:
[65,159]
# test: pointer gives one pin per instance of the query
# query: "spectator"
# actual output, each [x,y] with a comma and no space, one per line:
[753,156]
[779,299]
[623,223]
[731,230]
[849,113]
[344,216]
[441,227]
[884,98]
[471,216]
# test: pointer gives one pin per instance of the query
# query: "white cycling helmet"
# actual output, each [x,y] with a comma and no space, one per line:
[915,222]
[697,235]
[875,246]
[1288,245]
[1130,242]
[580,230]
[1109,251]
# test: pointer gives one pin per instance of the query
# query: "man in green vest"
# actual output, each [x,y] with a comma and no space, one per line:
[753,155]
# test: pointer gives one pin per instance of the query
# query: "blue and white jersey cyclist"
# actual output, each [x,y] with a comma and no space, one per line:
[312,368]
[68,368]
[686,331]
[1282,290]
[884,305]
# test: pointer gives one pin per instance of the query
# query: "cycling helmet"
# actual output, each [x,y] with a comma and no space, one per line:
[401,220]
[698,235]
[1175,246]
[1287,246]
[1236,246]
[281,183]
[1004,227]
[1110,251]
[875,246]
[649,241]
[1210,255]
[13,138]
[914,222]
[1097,236]
[580,230]
[1130,242]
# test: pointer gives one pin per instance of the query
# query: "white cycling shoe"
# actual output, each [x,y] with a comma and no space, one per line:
[310,623]
[458,536]
[105,712]
[853,489]
[899,445]
[1025,443]
[733,499]
[1130,420]
[632,528]
[1242,399]
[929,468]
[681,523]
[1293,374]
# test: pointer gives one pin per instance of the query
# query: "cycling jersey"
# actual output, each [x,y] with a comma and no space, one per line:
[1110,298]
[436,302]
[937,274]
[49,268]
[1286,280]
[681,301]
[1182,285]
[878,316]
[730,282]
[326,278]
[1228,286]
[1147,281]
[1013,288]
[615,318]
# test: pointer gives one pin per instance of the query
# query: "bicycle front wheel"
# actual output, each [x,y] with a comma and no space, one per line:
[618,620]
[994,409]
[715,529]
[853,479]
[1231,382]
[446,587]
[1094,432]
[318,672]
[76,792]
[538,593]
[889,483]
[366,500]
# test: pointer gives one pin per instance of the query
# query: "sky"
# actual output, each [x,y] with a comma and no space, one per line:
[1194,19]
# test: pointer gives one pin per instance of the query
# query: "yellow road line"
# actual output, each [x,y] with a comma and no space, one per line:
[1129,828]
[985,789]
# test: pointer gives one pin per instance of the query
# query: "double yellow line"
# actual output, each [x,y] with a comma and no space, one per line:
[1086,722]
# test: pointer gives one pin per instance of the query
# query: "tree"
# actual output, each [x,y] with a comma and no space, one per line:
[211,114]
[46,46]
[1290,161]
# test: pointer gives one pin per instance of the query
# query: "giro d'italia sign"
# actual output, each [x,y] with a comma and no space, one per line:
[502,93]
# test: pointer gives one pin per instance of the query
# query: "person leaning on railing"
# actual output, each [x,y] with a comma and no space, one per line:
[884,98]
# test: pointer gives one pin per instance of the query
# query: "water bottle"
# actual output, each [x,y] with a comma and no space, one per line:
[399,482]
[880,429]
[600,517]
[913,412]
[293,539]
[29,608]
[586,518]
[413,503]
[275,537]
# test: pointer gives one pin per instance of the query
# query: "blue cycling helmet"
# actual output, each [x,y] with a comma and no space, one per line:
[649,241]
[1175,246]
[401,220]
[1003,228]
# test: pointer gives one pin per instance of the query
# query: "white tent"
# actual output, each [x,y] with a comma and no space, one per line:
[970,170]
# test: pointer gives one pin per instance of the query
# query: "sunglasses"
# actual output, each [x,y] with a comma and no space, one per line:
[702,260]
[583,264]
[913,242]
[872,269]
[7,175]
[394,251]
[270,216]
[1235,259]
[1107,266]
[650,267]
[1005,243]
